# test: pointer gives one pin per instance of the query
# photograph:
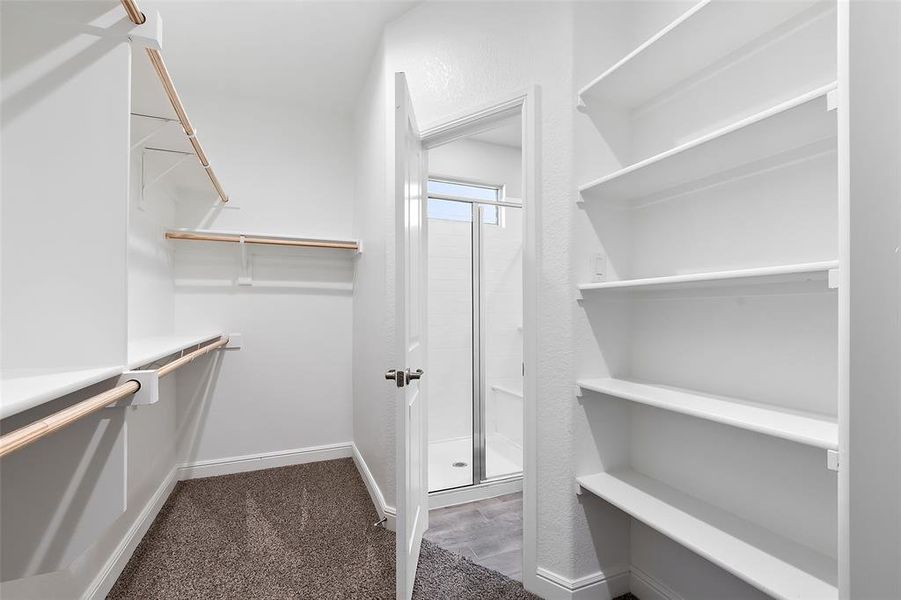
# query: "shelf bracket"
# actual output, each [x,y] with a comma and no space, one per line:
[832,279]
[831,100]
[148,393]
[145,185]
[832,460]
[246,275]
[165,123]
[580,105]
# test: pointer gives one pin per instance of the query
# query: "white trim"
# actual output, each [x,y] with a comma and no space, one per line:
[473,493]
[647,587]
[109,573]
[263,460]
[596,586]
[389,513]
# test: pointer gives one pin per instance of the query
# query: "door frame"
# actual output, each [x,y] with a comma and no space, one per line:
[524,103]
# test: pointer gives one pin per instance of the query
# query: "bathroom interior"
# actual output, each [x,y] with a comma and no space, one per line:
[475,309]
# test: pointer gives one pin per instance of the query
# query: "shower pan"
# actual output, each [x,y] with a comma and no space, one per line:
[475,334]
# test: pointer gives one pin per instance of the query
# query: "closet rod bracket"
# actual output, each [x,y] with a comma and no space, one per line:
[148,34]
[148,393]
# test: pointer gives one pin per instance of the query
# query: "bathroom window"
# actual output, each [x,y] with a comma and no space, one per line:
[452,201]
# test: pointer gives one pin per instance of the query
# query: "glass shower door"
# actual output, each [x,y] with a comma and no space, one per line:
[450,331]
[500,316]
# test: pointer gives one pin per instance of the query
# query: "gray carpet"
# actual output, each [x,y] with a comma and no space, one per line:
[295,532]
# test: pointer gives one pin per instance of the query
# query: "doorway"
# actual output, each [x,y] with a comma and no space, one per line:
[475,301]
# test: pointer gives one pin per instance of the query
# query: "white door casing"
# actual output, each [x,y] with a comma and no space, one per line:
[410,166]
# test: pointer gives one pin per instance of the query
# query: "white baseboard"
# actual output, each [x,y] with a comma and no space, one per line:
[647,587]
[389,513]
[602,585]
[111,570]
[264,460]
[474,493]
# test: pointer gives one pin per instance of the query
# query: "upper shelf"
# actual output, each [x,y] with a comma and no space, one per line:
[704,34]
[817,273]
[800,122]
[776,565]
[26,388]
[144,351]
[819,431]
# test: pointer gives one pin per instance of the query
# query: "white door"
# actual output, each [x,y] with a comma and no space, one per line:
[410,170]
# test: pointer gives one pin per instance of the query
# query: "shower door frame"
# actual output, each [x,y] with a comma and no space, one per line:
[479,375]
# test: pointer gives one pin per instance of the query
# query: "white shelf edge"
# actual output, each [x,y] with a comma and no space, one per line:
[822,267]
[584,92]
[143,351]
[23,389]
[809,429]
[736,545]
[729,129]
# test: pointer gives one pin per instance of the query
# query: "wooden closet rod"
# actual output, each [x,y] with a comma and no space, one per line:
[249,239]
[156,59]
[134,13]
[32,432]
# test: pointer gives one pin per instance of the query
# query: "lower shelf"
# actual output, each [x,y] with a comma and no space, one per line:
[143,351]
[771,563]
[22,389]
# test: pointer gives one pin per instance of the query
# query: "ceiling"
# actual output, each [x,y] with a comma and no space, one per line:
[314,52]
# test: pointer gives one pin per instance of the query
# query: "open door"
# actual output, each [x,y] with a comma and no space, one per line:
[410,170]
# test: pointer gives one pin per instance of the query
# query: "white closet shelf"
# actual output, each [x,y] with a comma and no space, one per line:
[143,351]
[209,235]
[26,388]
[811,429]
[773,564]
[709,31]
[800,122]
[805,272]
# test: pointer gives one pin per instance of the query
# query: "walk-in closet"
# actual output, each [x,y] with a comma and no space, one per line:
[448,300]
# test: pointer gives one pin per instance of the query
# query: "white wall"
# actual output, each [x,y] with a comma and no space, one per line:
[287,170]
[452,66]
[873,434]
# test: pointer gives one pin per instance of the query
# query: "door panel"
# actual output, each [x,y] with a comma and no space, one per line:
[411,279]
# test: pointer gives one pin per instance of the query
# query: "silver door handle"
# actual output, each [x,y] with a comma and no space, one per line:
[411,375]
[399,377]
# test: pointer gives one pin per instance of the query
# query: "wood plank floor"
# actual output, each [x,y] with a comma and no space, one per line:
[488,532]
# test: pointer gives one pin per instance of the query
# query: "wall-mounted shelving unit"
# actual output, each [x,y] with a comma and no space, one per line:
[816,274]
[710,329]
[708,31]
[788,126]
[27,388]
[778,566]
[811,429]
[144,351]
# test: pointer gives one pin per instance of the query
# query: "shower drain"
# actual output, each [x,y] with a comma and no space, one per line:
[460,464]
